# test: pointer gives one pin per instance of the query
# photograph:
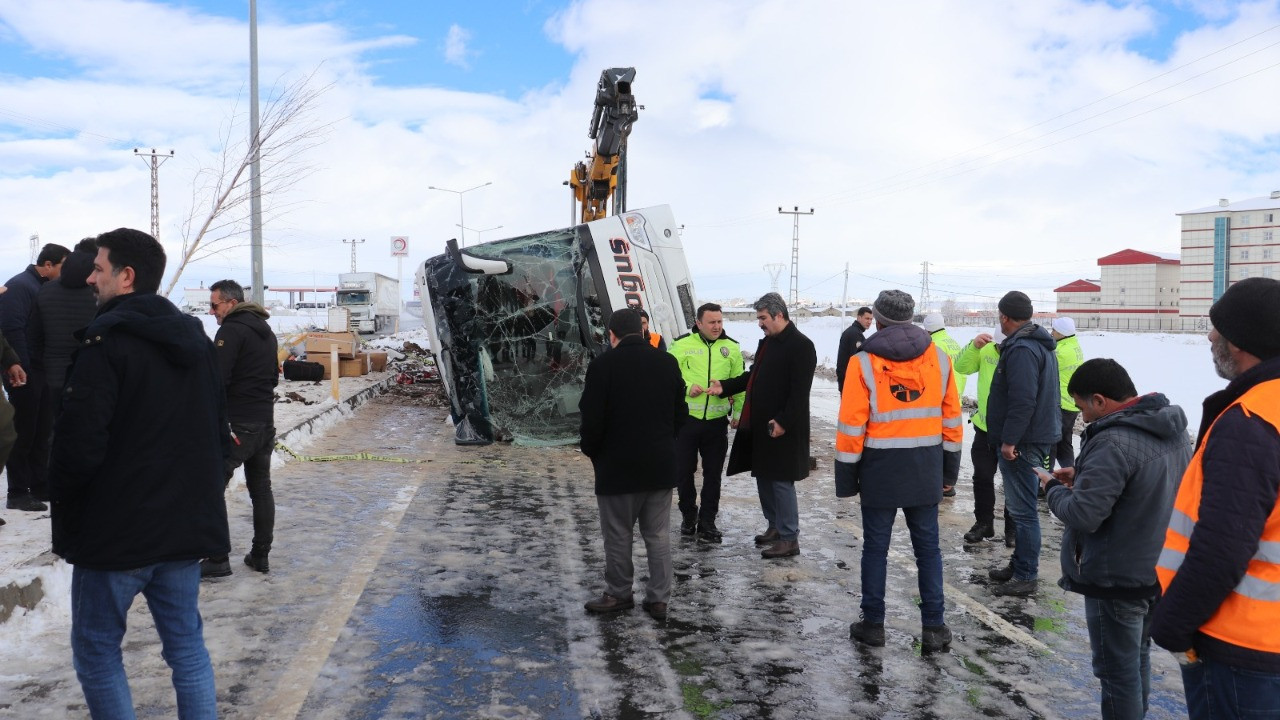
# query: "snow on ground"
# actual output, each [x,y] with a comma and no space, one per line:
[1180,366]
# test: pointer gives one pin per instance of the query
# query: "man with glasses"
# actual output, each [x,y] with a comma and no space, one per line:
[247,347]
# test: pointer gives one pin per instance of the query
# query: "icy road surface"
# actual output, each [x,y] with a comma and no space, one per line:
[453,588]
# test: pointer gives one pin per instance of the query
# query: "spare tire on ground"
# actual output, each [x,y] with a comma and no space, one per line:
[303,370]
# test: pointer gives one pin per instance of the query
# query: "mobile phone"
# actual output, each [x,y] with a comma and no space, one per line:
[1042,474]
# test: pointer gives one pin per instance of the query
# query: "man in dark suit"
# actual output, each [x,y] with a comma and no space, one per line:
[773,432]
[851,342]
[632,408]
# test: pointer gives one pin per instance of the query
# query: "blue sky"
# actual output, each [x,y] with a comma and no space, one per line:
[1069,129]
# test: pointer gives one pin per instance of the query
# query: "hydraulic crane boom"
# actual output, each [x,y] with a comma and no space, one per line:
[615,111]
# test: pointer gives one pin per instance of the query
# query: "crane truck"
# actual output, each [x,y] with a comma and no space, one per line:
[611,120]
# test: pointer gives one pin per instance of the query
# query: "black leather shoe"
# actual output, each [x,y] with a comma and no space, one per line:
[689,525]
[767,537]
[26,503]
[607,603]
[1016,588]
[656,610]
[867,633]
[215,568]
[257,562]
[1001,574]
[708,532]
[781,549]
[979,531]
[948,491]
[935,637]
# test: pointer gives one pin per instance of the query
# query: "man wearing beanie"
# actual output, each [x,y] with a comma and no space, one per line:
[1220,612]
[1070,357]
[632,409]
[899,430]
[1024,423]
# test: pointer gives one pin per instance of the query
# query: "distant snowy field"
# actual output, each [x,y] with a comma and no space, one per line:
[1180,366]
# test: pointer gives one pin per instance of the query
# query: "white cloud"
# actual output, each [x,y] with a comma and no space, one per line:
[935,130]
[456,51]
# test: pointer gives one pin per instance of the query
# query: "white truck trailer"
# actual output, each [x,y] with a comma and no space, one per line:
[513,323]
[372,299]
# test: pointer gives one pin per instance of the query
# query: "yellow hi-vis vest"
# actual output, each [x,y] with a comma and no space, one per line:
[894,404]
[1251,613]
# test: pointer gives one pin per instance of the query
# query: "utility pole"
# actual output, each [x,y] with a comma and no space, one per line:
[157,159]
[35,247]
[795,252]
[774,270]
[353,243]
[924,287]
[844,295]
[255,165]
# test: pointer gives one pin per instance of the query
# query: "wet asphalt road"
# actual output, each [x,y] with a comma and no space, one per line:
[453,588]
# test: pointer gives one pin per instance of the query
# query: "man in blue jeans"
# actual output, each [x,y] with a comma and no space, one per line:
[136,478]
[1023,423]
[1113,504]
[899,431]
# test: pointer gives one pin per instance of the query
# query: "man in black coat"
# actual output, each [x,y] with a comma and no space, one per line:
[15,375]
[851,342]
[28,464]
[632,408]
[136,477]
[62,307]
[246,347]
[772,440]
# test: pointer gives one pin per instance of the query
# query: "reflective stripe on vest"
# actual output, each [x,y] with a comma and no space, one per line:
[896,420]
[1254,603]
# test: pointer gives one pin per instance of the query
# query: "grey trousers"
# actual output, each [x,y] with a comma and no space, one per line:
[618,516]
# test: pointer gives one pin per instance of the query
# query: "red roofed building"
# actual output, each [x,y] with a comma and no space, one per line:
[1138,291]
[1080,300]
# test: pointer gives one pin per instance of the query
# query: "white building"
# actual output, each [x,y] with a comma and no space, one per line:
[1137,291]
[1222,244]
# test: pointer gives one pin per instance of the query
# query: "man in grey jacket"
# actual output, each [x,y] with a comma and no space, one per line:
[1114,504]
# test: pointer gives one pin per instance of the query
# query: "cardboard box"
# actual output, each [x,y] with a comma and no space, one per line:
[350,368]
[377,361]
[319,343]
[324,361]
[363,358]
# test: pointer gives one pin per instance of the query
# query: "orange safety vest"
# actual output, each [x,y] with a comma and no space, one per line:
[898,404]
[654,339]
[1251,613]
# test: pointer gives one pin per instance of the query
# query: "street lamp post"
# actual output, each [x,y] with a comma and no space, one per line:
[479,232]
[462,220]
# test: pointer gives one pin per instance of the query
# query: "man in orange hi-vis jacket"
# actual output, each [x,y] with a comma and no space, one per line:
[899,434]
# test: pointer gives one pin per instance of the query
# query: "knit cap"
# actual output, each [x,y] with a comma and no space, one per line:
[1016,305]
[893,307]
[1248,315]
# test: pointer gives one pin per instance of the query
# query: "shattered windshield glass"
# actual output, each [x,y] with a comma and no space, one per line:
[516,346]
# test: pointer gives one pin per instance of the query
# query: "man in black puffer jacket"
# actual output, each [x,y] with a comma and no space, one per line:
[136,477]
[246,347]
[62,307]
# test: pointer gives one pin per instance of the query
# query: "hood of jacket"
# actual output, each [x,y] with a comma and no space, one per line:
[76,270]
[251,315]
[1030,332]
[152,318]
[1151,414]
[898,342]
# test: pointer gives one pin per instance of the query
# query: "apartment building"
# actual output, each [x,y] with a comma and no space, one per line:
[1222,244]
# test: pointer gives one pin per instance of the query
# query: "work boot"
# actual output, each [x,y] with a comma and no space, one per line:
[258,561]
[1001,574]
[708,532]
[867,633]
[979,531]
[607,603]
[689,523]
[1016,588]
[781,549]
[767,537]
[26,503]
[935,638]
[215,567]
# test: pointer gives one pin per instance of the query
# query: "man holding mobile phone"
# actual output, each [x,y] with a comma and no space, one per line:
[1113,503]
